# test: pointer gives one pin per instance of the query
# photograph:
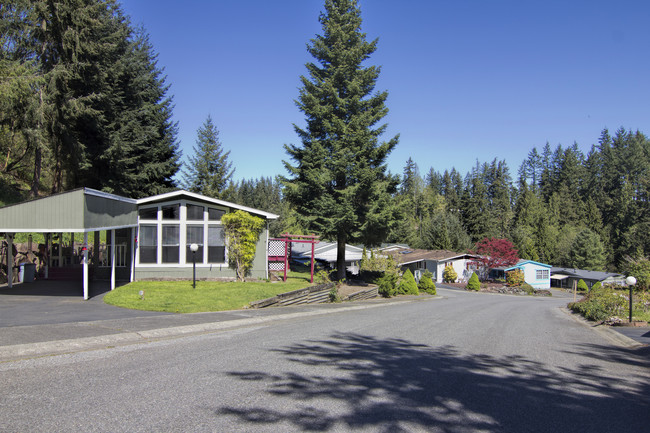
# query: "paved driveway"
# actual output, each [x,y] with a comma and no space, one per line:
[51,302]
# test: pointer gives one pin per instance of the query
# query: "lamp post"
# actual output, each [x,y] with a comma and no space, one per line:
[631,281]
[194,248]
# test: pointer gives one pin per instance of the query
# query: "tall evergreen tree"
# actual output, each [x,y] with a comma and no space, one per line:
[208,170]
[339,183]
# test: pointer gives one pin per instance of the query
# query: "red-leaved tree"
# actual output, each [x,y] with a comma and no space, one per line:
[495,253]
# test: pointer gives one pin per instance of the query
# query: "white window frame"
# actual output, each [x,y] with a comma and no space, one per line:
[182,222]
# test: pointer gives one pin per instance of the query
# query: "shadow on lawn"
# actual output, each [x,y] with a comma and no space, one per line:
[397,386]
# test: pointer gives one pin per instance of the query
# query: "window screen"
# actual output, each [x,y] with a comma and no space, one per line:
[216,245]
[194,213]
[148,244]
[194,236]
[170,243]
[149,214]
[215,214]
[171,212]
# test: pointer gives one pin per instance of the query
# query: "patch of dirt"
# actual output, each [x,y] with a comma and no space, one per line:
[348,289]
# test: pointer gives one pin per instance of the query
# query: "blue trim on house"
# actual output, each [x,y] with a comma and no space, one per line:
[521,264]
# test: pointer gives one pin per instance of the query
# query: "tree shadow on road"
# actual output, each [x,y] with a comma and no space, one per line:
[350,381]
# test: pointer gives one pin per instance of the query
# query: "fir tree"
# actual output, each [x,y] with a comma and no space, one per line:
[339,184]
[208,170]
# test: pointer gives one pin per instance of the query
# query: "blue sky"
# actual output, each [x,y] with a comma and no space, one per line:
[467,80]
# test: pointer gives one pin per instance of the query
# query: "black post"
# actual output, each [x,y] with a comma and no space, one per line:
[630,304]
[194,269]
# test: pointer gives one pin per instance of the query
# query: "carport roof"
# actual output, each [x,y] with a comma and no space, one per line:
[80,210]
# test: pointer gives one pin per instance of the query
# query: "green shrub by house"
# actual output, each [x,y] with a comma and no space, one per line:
[596,287]
[473,283]
[408,286]
[530,290]
[426,283]
[449,275]
[387,285]
[515,278]
[582,286]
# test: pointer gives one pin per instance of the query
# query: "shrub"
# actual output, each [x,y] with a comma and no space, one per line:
[515,278]
[426,283]
[334,295]
[449,275]
[473,283]
[596,287]
[408,286]
[528,289]
[387,285]
[582,286]
[601,304]
[322,277]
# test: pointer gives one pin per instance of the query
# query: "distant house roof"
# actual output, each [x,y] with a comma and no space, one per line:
[585,274]
[521,263]
[406,256]
[198,197]
[326,251]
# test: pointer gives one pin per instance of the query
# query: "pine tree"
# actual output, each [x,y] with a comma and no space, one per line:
[208,170]
[339,183]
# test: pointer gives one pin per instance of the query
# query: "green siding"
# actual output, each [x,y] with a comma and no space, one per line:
[103,212]
[72,211]
[62,212]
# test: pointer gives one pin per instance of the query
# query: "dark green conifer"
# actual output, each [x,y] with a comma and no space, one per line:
[339,183]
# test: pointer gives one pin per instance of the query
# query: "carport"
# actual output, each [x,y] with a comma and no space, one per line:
[82,210]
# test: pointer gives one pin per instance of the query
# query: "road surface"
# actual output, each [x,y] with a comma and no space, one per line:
[465,362]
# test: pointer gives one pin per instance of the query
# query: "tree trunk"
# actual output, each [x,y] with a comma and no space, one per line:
[340,257]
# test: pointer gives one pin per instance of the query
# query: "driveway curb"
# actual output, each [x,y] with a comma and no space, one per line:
[604,330]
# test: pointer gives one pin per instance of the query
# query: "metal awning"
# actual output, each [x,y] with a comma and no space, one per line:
[559,277]
[82,210]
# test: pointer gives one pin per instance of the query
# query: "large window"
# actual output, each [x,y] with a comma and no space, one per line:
[542,274]
[170,243]
[148,244]
[216,245]
[194,236]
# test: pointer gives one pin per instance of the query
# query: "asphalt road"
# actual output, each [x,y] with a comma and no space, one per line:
[464,363]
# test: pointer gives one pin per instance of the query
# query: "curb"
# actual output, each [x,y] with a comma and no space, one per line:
[604,330]
[60,347]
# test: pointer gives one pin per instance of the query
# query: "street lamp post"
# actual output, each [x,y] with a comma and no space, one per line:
[194,248]
[631,281]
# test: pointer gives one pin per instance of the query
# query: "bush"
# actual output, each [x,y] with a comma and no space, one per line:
[449,275]
[334,295]
[596,287]
[530,290]
[387,285]
[582,286]
[515,278]
[408,286]
[601,304]
[473,283]
[426,283]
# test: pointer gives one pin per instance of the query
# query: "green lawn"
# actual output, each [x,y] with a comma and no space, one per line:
[180,297]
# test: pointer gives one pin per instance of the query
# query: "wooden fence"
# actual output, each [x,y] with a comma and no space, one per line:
[364,294]
[311,295]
